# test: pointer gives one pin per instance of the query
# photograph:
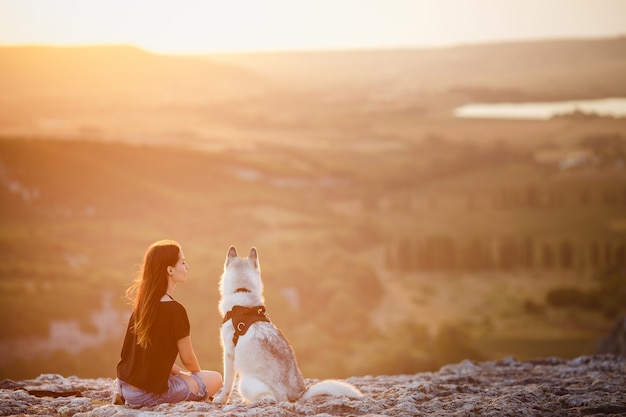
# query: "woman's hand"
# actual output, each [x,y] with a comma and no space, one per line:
[176,369]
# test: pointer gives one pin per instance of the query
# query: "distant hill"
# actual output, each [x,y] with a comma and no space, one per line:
[562,69]
[125,93]
[35,72]
[117,92]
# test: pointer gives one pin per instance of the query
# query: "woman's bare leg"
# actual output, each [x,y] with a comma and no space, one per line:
[212,380]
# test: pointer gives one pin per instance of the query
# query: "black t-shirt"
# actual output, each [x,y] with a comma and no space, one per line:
[150,368]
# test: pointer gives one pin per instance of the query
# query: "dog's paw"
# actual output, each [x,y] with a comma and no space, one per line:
[220,398]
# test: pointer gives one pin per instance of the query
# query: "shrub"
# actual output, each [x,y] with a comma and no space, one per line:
[562,297]
[532,307]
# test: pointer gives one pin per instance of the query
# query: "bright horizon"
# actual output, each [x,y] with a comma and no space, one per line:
[211,26]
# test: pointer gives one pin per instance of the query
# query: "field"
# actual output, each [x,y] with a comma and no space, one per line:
[393,238]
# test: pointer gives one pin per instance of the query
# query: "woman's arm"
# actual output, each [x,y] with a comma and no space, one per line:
[187,355]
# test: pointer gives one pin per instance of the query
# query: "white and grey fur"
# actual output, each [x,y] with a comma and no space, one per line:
[263,357]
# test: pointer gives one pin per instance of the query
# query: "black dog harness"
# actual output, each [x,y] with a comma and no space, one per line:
[243,317]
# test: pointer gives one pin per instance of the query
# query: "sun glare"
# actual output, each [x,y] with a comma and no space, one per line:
[178,27]
[187,26]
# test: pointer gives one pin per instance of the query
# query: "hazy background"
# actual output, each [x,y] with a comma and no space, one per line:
[393,236]
[190,26]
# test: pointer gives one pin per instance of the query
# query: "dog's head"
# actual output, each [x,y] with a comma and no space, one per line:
[241,275]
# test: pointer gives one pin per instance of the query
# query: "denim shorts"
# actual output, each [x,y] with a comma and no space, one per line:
[177,391]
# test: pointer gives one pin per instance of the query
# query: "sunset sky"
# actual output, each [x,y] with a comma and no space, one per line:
[185,26]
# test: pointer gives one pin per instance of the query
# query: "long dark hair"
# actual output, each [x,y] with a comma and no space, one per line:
[150,285]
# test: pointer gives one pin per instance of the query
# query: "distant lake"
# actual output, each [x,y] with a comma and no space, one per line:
[615,107]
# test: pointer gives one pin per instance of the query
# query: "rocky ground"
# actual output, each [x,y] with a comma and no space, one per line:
[586,386]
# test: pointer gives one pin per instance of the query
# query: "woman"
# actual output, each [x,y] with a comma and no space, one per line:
[157,332]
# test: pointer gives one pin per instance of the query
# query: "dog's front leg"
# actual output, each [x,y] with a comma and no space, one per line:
[229,379]
[229,372]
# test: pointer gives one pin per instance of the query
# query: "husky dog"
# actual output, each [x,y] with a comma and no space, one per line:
[254,348]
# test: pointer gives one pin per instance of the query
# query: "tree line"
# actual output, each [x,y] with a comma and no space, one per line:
[504,253]
[528,197]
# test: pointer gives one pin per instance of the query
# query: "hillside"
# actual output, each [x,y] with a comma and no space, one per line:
[520,71]
[113,92]
[122,93]
[111,72]
[589,386]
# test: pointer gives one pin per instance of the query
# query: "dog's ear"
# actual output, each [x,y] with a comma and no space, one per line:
[232,253]
[254,257]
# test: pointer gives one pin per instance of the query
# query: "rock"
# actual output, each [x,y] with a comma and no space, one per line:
[589,385]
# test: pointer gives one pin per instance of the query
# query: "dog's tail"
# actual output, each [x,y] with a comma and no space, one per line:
[331,387]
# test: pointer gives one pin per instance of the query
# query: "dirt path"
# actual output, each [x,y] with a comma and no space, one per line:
[396,305]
